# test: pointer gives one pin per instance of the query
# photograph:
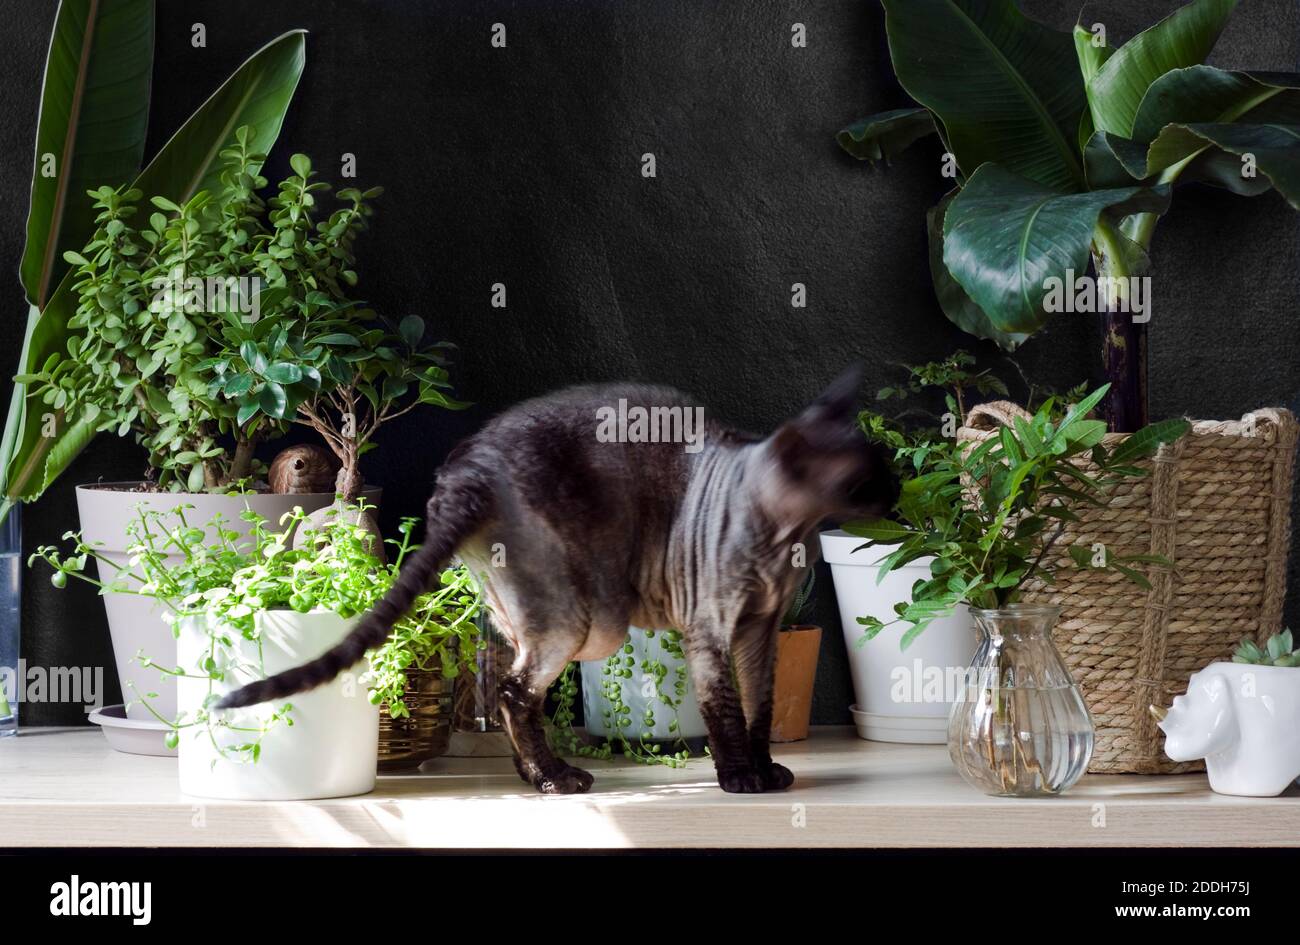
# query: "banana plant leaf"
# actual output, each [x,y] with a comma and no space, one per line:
[995,81]
[94,113]
[1182,39]
[257,94]
[1005,235]
[954,301]
[886,134]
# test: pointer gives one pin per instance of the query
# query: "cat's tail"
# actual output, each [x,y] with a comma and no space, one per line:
[461,503]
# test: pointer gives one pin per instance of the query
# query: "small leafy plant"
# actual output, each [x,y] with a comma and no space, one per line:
[439,633]
[991,515]
[1279,650]
[620,670]
[226,578]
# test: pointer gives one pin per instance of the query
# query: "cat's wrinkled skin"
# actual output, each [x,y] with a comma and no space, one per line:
[574,539]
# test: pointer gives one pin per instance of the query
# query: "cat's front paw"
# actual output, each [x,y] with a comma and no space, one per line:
[777,777]
[741,781]
[566,780]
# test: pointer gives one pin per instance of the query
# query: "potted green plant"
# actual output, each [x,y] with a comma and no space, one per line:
[1064,151]
[1242,718]
[640,701]
[242,609]
[413,674]
[204,331]
[898,680]
[795,673]
[100,61]
[989,518]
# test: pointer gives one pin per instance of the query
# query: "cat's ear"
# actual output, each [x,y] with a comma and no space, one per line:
[840,398]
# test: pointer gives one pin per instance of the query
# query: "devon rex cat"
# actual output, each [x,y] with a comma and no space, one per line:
[579,526]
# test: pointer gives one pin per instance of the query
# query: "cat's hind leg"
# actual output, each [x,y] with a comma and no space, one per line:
[522,699]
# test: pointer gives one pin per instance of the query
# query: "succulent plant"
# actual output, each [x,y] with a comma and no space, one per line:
[1277,651]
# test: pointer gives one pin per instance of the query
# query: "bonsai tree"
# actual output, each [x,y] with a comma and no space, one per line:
[1065,149]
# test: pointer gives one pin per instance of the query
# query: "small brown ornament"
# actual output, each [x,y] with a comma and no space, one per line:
[302,469]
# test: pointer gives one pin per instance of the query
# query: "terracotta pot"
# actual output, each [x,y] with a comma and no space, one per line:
[796,670]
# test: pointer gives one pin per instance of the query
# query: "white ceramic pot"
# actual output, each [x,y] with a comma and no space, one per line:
[690,724]
[331,748]
[1244,720]
[135,623]
[902,695]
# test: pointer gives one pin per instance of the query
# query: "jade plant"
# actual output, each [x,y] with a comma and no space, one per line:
[211,325]
[1278,650]
[215,573]
[1063,149]
[992,514]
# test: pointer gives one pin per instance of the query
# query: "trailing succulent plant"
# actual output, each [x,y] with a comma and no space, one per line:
[1278,650]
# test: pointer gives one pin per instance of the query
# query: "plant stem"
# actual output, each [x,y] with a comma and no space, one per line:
[1124,340]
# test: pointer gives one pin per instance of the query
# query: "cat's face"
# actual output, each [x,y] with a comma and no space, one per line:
[823,466]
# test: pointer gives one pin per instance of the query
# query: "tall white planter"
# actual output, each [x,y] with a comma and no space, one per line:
[134,623]
[902,695]
[595,705]
[329,751]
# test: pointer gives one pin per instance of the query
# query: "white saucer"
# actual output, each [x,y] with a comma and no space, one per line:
[910,729]
[133,736]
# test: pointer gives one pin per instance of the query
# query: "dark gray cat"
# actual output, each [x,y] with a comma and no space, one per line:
[599,507]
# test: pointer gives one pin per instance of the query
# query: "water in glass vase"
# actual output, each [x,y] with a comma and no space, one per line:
[10,597]
[1020,727]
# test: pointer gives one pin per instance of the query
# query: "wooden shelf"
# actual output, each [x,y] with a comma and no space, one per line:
[61,787]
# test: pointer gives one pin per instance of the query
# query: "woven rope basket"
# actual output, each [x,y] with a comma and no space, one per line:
[1217,503]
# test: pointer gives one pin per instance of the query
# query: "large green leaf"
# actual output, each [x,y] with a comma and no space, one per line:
[1184,38]
[1004,236]
[258,95]
[885,134]
[1200,94]
[1275,150]
[954,301]
[1003,87]
[94,112]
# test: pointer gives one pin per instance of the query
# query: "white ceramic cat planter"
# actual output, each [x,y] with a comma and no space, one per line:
[1244,720]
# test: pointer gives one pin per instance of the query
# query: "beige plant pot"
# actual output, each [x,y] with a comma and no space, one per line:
[796,671]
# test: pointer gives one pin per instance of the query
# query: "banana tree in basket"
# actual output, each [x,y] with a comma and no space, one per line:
[1066,151]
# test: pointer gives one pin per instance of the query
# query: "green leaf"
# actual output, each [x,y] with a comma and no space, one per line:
[94,111]
[283,372]
[1206,95]
[1184,38]
[301,165]
[411,329]
[1001,85]
[881,530]
[1091,55]
[954,301]
[1145,441]
[256,95]
[1005,235]
[273,400]
[1275,149]
[885,134]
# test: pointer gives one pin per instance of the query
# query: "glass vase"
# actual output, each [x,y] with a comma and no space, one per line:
[11,587]
[1020,727]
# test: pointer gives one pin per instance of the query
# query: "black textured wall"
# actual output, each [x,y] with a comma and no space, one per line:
[522,165]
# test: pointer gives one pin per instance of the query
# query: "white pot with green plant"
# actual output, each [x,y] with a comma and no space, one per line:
[902,680]
[225,320]
[988,517]
[243,612]
[1242,718]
